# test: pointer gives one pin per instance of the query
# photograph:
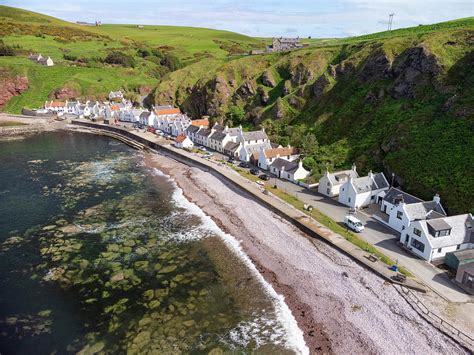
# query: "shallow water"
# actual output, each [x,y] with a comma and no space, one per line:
[100,254]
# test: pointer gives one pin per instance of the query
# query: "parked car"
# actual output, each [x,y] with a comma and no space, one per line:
[264,177]
[244,165]
[151,129]
[231,160]
[254,171]
[353,223]
[261,183]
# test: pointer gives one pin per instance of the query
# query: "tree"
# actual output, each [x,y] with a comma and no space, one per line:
[310,145]
[309,163]
[120,58]
[236,114]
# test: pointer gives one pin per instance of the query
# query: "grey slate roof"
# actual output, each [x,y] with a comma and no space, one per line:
[338,178]
[395,195]
[256,147]
[192,129]
[425,210]
[460,231]
[289,166]
[438,224]
[145,115]
[254,135]
[218,136]
[204,132]
[233,132]
[231,146]
[366,183]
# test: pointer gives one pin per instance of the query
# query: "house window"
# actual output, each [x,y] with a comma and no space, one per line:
[399,214]
[372,197]
[418,245]
[328,191]
[458,246]
[417,232]
[443,233]
[329,184]
[439,250]
[349,199]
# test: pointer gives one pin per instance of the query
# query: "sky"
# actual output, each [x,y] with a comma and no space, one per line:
[262,18]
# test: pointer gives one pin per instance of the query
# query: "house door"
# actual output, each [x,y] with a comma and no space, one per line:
[384,208]
[379,200]
[407,239]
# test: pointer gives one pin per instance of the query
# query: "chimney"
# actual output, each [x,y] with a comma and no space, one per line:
[354,167]
[371,174]
[437,199]
[300,164]
[263,129]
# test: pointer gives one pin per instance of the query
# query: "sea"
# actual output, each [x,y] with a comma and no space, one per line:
[101,254]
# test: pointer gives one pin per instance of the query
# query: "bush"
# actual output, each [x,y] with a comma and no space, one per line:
[70,57]
[6,50]
[120,58]
[172,62]
[143,52]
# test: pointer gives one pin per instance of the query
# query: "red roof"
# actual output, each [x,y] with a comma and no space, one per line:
[202,122]
[181,138]
[167,111]
[57,104]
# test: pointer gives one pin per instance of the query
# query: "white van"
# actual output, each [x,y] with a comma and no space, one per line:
[354,224]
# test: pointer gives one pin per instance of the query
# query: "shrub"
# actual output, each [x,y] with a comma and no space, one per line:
[120,58]
[70,57]
[6,50]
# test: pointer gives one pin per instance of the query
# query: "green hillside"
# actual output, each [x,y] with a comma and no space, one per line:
[80,54]
[399,102]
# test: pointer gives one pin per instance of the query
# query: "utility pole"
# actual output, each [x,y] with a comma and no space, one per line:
[390,21]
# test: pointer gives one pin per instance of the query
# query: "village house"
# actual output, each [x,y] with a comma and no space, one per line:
[289,170]
[220,135]
[330,183]
[266,157]
[165,117]
[116,96]
[38,58]
[403,208]
[363,191]
[147,118]
[182,141]
[252,142]
[130,115]
[432,239]
[284,44]
[201,137]
[58,107]
[232,149]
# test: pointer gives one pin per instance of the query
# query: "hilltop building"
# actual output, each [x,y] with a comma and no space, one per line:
[284,44]
[39,59]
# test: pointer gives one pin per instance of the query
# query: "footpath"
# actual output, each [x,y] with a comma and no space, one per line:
[310,227]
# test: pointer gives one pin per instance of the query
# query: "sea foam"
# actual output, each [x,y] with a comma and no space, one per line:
[294,339]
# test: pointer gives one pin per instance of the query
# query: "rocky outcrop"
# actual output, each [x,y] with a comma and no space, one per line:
[65,93]
[300,74]
[319,86]
[245,91]
[343,69]
[10,87]
[268,80]
[278,110]
[376,67]
[264,97]
[415,67]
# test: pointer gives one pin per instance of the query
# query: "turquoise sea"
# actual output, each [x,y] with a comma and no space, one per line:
[99,254]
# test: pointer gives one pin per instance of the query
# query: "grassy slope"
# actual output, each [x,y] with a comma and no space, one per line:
[20,27]
[430,150]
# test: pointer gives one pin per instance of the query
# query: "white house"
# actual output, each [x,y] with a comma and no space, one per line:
[58,107]
[289,170]
[184,142]
[363,191]
[432,239]
[266,157]
[201,137]
[330,183]
[220,135]
[38,58]
[403,208]
[252,142]
[147,118]
[115,95]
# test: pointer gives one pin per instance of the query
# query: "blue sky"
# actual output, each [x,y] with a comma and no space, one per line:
[316,18]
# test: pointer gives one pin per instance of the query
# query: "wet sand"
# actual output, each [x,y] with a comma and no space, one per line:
[340,306]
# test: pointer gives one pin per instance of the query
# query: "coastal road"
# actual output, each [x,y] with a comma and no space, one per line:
[383,238]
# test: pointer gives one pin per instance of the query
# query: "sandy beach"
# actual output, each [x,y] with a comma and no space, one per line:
[340,306]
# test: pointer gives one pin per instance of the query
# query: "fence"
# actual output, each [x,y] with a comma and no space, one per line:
[444,326]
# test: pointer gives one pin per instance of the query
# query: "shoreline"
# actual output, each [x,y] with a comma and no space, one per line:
[331,319]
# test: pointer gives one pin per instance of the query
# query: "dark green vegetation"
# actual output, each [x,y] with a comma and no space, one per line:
[400,102]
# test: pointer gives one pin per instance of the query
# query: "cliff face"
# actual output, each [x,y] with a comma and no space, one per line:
[399,105]
[12,86]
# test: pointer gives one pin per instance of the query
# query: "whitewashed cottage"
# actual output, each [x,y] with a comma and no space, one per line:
[330,183]
[289,170]
[363,191]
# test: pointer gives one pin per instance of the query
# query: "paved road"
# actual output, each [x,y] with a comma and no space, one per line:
[385,239]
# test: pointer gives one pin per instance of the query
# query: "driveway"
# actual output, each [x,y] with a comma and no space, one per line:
[383,238]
